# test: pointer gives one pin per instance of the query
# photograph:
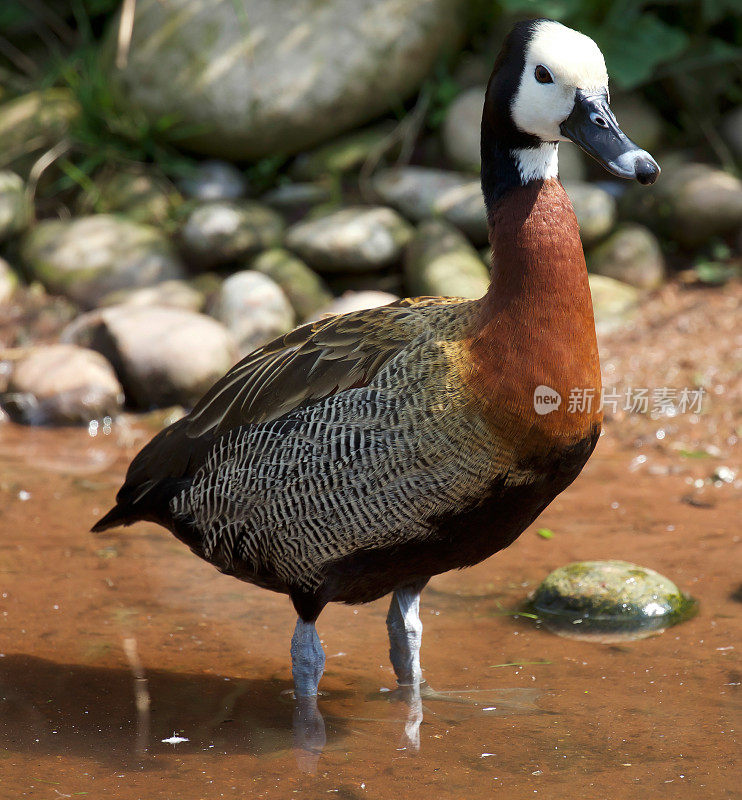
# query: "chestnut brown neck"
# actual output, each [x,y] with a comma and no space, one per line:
[537,256]
[535,325]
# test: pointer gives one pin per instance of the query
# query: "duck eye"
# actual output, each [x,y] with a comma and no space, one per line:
[543,75]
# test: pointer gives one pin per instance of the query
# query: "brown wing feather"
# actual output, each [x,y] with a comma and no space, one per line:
[307,364]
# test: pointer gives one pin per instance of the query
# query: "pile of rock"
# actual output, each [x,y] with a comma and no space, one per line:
[172,282]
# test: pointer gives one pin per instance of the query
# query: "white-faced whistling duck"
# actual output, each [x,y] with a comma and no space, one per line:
[361,454]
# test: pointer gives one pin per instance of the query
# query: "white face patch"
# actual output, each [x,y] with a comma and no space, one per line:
[574,61]
[537,163]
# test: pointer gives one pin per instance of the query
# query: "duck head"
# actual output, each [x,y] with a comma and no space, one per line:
[550,84]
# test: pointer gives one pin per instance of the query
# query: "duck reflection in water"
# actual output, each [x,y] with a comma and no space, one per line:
[310,735]
[133,716]
[413,701]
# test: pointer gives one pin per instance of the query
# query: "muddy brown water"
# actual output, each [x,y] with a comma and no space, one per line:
[92,625]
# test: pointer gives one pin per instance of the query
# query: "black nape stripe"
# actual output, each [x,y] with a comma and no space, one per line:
[499,133]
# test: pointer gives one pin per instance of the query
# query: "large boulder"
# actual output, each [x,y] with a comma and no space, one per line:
[422,193]
[253,308]
[87,258]
[440,261]
[353,239]
[630,254]
[225,231]
[163,356]
[62,384]
[15,209]
[259,77]
[139,195]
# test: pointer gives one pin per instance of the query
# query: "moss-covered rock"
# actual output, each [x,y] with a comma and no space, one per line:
[15,209]
[87,258]
[304,288]
[440,261]
[253,308]
[225,231]
[595,210]
[345,154]
[353,239]
[298,198]
[609,600]
[421,193]
[138,195]
[631,254]
[32,123]
[614,303]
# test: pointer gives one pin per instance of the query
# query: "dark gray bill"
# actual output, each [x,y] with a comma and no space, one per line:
[592,126]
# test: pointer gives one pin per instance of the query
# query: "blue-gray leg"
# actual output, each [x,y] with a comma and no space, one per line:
[405,635]
[307,659]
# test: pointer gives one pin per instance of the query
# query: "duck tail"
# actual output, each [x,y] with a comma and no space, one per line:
[113,519]
[149,501]
[160,470]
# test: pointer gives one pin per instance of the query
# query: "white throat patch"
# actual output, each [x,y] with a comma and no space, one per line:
[537,163]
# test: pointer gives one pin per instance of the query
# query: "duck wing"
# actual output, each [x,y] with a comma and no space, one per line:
[303,367]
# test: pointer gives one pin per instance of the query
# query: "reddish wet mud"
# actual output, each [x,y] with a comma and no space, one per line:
[91,627]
